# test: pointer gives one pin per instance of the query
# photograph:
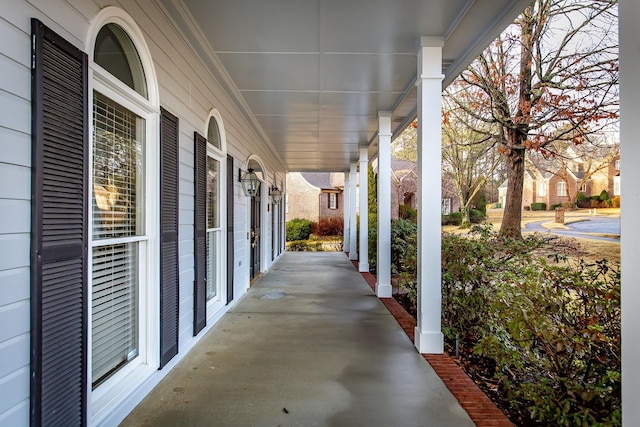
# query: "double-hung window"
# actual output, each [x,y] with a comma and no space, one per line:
[216,158]
[119,187]
[562,189]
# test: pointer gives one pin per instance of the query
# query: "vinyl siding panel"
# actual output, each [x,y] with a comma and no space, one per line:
[187,88]
[14,390]
[15,147]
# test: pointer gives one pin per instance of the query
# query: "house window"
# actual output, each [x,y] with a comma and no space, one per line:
[583,187]
[118,213]
[333,201]
[120,190]
[542,189]
[562,188]
[446,206]
[616,185]
[617,164]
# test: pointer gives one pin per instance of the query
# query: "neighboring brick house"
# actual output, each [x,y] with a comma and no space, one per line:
[315,195]
[556,182]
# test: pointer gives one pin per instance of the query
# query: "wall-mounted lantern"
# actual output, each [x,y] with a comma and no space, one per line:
[250,183]
[276,195]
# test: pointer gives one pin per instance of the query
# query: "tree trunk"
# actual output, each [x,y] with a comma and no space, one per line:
[512,217]
[466,217]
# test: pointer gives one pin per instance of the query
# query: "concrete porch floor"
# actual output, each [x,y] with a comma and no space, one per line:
[308,345]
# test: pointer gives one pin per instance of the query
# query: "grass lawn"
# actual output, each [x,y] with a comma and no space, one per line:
[588,249]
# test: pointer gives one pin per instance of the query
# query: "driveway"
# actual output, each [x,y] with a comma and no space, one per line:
[587,228]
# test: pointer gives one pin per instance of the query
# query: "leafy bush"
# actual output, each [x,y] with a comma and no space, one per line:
[454,218]
[408,213]
[604,195]
[304,246]
[298,229]
[403,240]
[527,208]
[477,216]
[540,206]
[554,334]
[556,205]
[333,226]
[549,330]
[580,197]
[373,242]
[615,202]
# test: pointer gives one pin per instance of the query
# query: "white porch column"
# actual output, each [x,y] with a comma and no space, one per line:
[346,215]
[363,264]
[629,230]
[428,335]
[353,229]
[383,265]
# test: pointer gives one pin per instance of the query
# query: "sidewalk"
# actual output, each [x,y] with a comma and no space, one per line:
[309,345]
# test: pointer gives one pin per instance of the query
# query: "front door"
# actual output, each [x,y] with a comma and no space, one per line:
[254,235]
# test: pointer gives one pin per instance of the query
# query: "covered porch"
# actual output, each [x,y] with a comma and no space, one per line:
[309,344]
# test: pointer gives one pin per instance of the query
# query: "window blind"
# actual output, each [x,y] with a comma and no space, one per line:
[117,165]
[114,308]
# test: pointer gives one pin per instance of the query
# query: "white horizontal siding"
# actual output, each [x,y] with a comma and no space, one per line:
[18,415]
[187,89]
[15,147]
[14,389]
[15,205]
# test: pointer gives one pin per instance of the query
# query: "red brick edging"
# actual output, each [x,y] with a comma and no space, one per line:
[480,408]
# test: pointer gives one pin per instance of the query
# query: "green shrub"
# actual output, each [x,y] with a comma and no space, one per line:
[476,216]
[373,242]
[403,240]
[551,331]
[580,197]
[556,205]
[604,195]
[454,218]
[527,208]
[554,333]
[298,229]
[540,206]
[408,213]
[304,246]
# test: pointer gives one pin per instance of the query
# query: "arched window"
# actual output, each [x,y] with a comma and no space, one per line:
[213,133]
[216,184]
[123,189]
[114,51]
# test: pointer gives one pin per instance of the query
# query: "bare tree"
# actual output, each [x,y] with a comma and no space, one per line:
[469,157]
[551,76]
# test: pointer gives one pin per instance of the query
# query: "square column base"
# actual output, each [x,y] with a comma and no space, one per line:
[383,290]
[353,256]
[429,342]
[363,268]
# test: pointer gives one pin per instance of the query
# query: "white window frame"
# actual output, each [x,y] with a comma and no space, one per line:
[561,189]
[616,185]
[105,397]
[333,201]
[215,304]
[446,206]
[542,189]
[583,187]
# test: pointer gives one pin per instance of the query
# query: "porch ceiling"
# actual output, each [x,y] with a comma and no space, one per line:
[312,75]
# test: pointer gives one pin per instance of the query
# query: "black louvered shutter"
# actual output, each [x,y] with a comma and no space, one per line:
[230,245]
[59,295]
[200,234]
[169,272]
